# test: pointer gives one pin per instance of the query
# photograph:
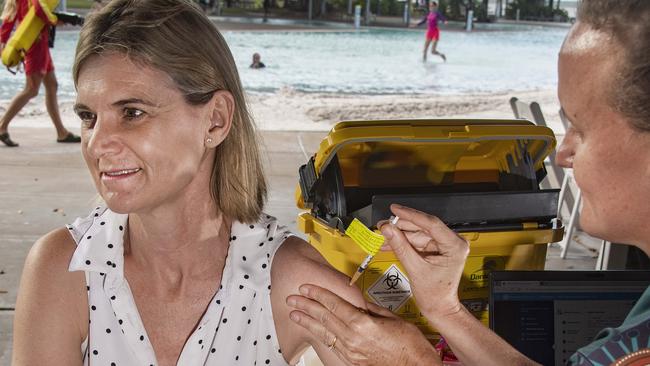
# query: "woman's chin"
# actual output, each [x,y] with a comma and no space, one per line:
[119,204]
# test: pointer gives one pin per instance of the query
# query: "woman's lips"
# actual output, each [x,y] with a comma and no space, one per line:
[119,174]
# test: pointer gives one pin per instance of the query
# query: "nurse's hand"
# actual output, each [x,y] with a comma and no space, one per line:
[432,255]
[357,336]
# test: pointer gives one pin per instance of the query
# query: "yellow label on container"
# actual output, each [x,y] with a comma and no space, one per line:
[365,238]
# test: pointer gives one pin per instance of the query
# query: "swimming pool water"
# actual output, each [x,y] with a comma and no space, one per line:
[376,61]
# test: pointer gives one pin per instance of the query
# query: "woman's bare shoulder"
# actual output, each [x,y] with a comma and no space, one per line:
[50,297]
[51,255]
[46,269]
[297,263]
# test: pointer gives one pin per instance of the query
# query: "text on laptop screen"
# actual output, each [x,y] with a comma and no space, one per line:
[549,317]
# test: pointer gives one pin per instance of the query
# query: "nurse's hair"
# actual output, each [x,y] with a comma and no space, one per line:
[628,22]
[175,36]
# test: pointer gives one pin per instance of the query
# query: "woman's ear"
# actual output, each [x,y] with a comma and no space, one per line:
[222,109]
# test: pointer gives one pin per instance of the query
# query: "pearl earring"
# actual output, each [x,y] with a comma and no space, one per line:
[209,140]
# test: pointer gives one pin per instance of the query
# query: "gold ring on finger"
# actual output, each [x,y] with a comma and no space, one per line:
[331,346]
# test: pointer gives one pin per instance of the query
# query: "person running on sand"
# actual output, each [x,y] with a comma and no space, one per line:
[38,68]
[433,33]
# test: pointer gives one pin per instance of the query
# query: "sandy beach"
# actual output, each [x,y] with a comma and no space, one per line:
[289,110]
[321,111]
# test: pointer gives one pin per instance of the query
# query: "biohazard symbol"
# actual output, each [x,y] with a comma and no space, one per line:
[392,281]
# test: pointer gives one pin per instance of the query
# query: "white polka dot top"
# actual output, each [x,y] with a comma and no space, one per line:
[237,327]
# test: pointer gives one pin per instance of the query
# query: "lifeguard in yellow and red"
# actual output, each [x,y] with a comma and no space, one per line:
[29,44]
[32,39]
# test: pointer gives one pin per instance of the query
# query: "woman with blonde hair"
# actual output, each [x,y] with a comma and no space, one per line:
[39,68]
[180,266]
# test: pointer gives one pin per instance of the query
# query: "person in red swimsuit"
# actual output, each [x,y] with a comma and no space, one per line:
[433,33]
[38,68]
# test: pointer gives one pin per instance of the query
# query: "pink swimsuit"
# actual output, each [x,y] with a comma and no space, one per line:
[432,24]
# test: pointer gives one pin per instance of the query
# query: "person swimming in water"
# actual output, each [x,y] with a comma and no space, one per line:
[433,33]
[257,62]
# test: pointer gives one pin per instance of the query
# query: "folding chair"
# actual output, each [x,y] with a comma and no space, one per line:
[610,255]
[568,198]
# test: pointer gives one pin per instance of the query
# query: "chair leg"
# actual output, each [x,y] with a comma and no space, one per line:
[563,188]
[572,223]
[601,251]
[603,256]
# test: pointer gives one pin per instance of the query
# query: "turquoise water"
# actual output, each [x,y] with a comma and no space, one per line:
[371,62]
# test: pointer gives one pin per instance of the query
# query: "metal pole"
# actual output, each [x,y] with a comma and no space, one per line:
[357,16]
[310,9]
[323,7]
[407,4]
[367,20]
[350,7]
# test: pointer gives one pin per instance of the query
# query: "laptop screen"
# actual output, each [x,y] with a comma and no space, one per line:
[548,315]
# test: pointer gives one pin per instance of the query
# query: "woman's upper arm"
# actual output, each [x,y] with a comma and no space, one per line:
[51,318]
[297,263]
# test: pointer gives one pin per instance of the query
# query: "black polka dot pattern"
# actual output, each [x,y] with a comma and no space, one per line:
[231,328]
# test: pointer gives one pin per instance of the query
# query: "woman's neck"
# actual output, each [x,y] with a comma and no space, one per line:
[189,237]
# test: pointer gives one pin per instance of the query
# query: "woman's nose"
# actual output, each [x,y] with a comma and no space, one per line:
[102,139]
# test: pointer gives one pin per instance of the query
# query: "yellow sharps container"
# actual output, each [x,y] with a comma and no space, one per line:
[481,177]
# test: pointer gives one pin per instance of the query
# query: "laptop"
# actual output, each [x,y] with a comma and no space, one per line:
[548,315]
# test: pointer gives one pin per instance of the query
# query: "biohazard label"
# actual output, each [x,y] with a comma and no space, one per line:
[391,290]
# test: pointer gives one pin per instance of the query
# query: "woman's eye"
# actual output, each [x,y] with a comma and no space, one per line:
[132,113]
[87,118]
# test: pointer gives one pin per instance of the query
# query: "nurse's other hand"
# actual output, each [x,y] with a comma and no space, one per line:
[359,336]
[432,255]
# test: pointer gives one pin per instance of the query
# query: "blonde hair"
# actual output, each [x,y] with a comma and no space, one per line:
[174,36]
[9,10]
